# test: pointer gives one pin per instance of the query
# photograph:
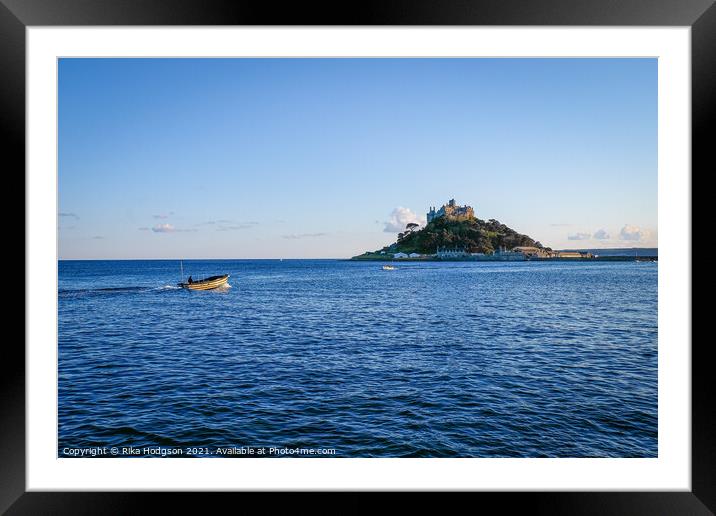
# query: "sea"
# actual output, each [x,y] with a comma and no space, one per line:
[338,358]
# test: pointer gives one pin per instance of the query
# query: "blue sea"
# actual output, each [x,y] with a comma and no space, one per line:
[343,359]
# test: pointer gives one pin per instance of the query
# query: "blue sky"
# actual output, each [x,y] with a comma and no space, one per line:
[326,158]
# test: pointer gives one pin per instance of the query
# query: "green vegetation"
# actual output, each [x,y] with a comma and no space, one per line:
[473,235]
[368,255]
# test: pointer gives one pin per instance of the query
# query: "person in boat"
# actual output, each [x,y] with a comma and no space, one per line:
[191,280]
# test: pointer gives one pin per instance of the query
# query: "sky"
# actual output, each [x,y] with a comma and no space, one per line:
[328,158]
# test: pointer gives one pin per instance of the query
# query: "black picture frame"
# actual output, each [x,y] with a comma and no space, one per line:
[700,15]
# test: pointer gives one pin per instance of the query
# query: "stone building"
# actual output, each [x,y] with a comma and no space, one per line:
[451,211]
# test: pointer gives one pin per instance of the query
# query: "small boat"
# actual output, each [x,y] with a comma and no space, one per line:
[209,283]
[206,284]
[388,268]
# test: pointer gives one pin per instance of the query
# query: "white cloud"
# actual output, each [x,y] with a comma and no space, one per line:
[601,235]
[163,228]
[304,235]
[579,236]
[633,233]
[401,217]
[168,228]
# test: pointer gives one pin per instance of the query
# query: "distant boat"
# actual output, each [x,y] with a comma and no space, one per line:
[205,284]
[388,268]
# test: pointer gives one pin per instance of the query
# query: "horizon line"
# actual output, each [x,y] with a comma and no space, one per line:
[324,258]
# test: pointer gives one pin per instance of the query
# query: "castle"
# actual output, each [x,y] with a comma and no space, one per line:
[451,211]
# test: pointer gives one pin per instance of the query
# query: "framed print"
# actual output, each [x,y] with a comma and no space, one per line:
[417,249]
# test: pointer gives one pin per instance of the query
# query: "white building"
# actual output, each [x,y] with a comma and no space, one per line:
[510,256]
[444,252]
[400,255]
[414,255]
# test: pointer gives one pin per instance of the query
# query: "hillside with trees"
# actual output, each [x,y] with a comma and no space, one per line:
[473,235]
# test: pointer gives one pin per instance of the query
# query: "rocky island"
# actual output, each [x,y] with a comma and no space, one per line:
[454,233]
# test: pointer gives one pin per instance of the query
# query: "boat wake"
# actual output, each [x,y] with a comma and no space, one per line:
[113,290]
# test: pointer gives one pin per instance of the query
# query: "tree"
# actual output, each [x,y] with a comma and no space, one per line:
[411,227]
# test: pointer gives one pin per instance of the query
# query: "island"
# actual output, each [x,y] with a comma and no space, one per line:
[453,232]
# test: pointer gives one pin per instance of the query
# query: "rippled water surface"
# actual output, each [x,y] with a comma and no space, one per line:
[429,360]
